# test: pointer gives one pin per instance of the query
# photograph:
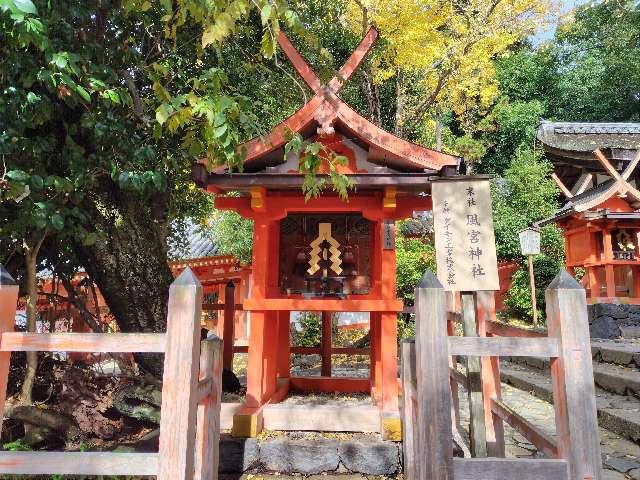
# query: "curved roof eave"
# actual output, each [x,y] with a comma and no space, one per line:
[330,108]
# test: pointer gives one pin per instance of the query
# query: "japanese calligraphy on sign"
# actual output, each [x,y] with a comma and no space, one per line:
[465,242]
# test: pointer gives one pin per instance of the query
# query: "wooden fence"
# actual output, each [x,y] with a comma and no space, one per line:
[430,386]
[191,391]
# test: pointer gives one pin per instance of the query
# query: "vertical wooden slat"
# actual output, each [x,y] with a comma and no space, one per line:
[432,372]
[572,373]
[284,344]
[208,425]
[608,257]
[8,303]
[376,364]
[477,432]
[486,312]
[325,345]
[229,320]
[181,365]
[389,359]
[410,431]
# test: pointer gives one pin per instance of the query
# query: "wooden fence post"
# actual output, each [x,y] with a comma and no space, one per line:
[8,304]
[432,373]
[486,312]
[208,424]
[410,428]
[180,379]
[572,372]
[477,429]
[229,320]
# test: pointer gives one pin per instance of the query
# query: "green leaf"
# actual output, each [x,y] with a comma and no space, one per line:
[218,132]
[265,13]
[90,239]
[57,221]
[37,182]
[83,93]
[60,60]
[32,97]
[17,175]
[163,112]
[266,45]
[160,181]
[25,6]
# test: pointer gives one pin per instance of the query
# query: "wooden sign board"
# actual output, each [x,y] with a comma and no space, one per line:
[465,242]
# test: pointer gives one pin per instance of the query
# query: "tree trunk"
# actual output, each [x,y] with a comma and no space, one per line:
[370,91]
[438,119]
[31,264]
[131,270]
[400,99]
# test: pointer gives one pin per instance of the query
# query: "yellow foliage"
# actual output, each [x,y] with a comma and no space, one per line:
[449,44]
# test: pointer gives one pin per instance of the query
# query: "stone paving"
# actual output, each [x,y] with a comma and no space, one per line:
[621,457]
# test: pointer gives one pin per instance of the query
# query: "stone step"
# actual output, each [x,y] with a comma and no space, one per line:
[619,352]
[310,454]
[617,413]
[612,378]
[322,418]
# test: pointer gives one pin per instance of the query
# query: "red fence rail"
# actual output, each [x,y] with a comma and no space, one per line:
[191,391]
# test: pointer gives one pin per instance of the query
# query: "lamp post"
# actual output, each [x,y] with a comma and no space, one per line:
[530,246]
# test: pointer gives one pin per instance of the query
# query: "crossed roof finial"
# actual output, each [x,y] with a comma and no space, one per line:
[326,108]
[620,185]
[339,79]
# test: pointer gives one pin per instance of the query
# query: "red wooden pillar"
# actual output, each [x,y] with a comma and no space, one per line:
[375,354]
[608,269]
[284,344]
[325,347]
[220,320]
[228,326]
[389,354]
[261,361]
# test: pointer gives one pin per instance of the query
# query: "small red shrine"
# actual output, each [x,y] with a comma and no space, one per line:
[325,255]
[601,228]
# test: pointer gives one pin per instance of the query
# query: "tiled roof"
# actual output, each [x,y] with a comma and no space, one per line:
[191,241]
[586,137]
[571,204]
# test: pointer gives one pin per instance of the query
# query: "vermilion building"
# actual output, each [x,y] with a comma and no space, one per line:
[326,254]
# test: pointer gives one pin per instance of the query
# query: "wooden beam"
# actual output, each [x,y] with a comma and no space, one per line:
[79,463]
[82,342]
[572,374]
[207,443]
[477,427]
[325,345]
[537,437]
[8,303]
[503,330]
[298,62]
[228,324]
[325,418]
[491,386]
[432,371]
[331,384]
[410,430]
[504,347]
[319,305]
[354,61]
[510,469]
[563,188]
[179,386]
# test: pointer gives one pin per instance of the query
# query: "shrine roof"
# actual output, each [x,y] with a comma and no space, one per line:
[586,201]
[572,143]
[198,242]
[326,115]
